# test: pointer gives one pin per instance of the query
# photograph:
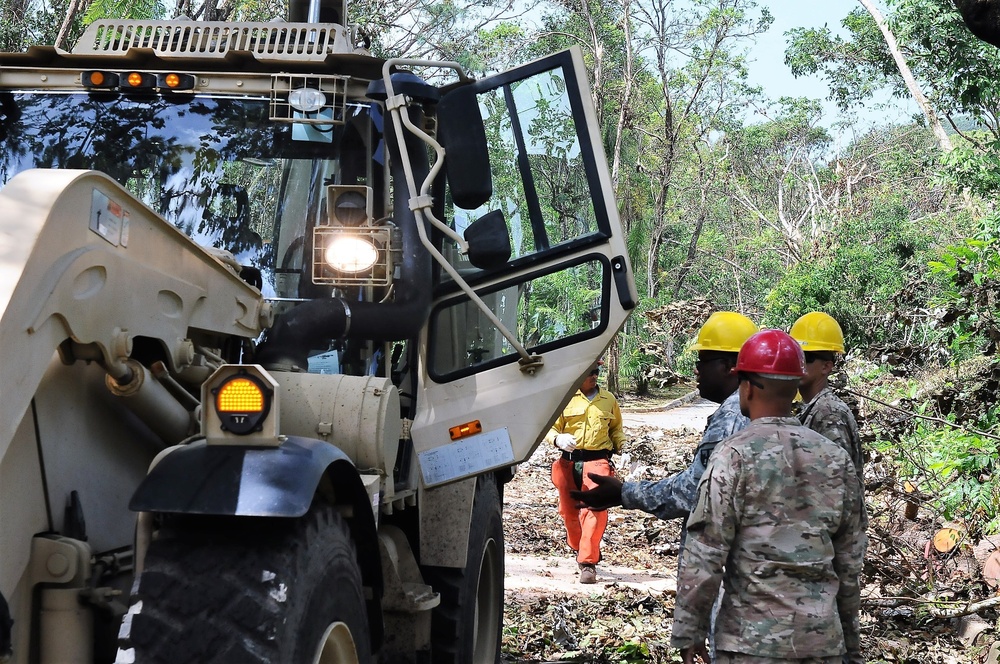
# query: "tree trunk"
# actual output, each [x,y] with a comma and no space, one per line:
[705,181]
[76,7]
[613,361]
[911,83]
[614,351]
[626,100]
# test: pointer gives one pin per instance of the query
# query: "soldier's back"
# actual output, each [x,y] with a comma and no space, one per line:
[794,493]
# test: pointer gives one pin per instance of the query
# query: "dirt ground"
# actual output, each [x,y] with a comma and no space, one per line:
[626,616]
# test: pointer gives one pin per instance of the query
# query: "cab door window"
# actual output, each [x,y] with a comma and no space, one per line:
[542,167]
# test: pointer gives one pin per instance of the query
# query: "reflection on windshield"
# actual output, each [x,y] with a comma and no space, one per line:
[216,168]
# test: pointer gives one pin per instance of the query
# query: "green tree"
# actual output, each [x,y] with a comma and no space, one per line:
[775,177]
[956,70]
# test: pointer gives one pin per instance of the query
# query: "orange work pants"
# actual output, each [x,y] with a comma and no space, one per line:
[584,526]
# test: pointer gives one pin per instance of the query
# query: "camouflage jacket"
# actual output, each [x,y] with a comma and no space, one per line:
[829,416]
[674,497]
[778,522]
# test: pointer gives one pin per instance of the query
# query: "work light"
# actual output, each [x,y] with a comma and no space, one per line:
[350,249]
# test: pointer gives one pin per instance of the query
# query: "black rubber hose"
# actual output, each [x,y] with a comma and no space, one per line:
[311,325]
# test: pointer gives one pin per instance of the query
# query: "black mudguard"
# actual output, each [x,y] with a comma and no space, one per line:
[241,481]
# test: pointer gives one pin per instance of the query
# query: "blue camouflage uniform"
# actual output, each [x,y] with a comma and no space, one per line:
[674,497]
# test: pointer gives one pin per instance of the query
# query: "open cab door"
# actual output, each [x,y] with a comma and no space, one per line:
[510,338]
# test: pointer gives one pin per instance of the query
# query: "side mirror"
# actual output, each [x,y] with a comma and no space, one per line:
[489,241]
[467,157]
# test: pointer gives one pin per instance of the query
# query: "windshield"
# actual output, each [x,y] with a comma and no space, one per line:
[215,167]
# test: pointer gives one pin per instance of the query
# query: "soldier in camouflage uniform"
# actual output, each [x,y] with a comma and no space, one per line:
[823,411]
[718,345]
[779,521]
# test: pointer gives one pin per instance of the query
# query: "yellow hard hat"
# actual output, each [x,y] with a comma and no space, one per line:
[817,331]
[724,331]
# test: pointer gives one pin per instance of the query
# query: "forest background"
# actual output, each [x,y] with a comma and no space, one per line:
[733,200]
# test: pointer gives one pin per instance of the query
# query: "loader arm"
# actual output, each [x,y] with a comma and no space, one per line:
[82,259]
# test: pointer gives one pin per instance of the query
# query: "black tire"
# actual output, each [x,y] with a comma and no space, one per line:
[466,626]
[248,591]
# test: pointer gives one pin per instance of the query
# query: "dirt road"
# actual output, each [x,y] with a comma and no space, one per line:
[691,414]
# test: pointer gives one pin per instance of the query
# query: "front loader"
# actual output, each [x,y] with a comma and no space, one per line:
[279,321]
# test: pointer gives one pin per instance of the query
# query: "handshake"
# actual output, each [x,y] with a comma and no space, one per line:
[566,442]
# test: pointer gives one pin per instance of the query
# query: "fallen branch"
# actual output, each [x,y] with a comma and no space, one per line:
[934,608]
[924,417]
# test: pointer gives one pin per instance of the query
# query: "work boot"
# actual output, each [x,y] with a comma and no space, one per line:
[588,573]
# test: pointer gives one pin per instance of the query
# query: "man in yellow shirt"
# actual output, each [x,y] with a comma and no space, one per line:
[588,432]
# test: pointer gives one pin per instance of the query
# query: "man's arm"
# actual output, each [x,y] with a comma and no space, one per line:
[670,498]
[558,427]
[849,545]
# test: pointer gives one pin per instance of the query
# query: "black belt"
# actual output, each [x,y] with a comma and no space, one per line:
[586,455]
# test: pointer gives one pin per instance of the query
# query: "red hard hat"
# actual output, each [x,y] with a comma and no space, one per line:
[772,352]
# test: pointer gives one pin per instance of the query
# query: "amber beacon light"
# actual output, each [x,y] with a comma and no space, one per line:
[97,79]
[242,402]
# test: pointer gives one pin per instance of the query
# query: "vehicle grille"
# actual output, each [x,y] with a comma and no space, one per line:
[201,39]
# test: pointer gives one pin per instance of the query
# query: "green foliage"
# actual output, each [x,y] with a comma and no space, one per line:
[855,66]
[634,363]
[971,274]
[492,49]
[130,9]
[24,24]
[956,468]
[632,651]
[959,69]
[974,166]
[954,69]
[861,265]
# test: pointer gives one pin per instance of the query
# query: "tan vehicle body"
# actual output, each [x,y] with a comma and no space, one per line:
[120,331]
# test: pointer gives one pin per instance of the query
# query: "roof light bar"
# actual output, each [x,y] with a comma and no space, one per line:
[137,80]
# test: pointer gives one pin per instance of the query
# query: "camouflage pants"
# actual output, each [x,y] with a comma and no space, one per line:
[740,658]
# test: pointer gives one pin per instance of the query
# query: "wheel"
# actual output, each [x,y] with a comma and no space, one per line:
[249,591]
[465,627]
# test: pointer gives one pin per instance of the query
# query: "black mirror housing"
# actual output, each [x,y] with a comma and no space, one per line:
[489,241]
[467,160]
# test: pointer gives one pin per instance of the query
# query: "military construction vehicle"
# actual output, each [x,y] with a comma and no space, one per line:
[279,319]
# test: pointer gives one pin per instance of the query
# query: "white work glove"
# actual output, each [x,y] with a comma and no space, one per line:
[566,442]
